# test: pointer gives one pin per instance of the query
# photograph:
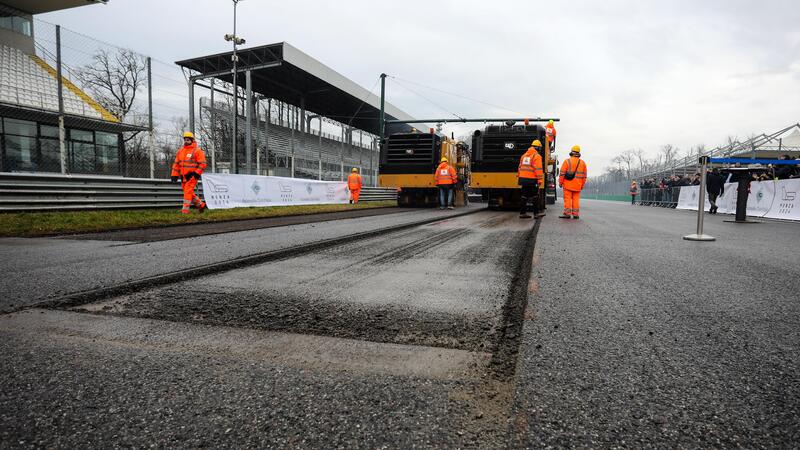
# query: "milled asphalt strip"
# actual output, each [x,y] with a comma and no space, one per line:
[82,297]
[508,337]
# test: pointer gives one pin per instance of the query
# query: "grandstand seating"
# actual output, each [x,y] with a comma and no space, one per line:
[26,80]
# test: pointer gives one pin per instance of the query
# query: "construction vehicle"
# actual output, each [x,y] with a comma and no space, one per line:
[551,175]
[409,160]
[496,151]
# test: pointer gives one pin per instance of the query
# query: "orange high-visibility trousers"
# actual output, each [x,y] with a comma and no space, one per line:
[572,203]
[189,196]
[354,194]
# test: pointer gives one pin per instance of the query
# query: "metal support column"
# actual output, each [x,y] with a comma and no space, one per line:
[191,106]
[248,102]
[319,150]
[293,125]
[213,143]
[341,157]
[266,135]
[62,132]
[151,144]
[383,104]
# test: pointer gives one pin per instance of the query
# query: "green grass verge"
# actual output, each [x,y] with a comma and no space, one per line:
[26,224]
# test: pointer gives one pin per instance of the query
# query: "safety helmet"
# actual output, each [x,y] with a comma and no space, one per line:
[188,134]
[536,143]
[576,148]
[354,170]
[444,159]
[550,122]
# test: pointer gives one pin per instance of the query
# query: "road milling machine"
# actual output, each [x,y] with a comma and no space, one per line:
[409,159]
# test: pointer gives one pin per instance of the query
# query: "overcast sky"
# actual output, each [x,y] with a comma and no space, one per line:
[619,74]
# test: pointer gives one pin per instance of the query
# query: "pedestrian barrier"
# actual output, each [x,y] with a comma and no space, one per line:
[663,197]
[56,192]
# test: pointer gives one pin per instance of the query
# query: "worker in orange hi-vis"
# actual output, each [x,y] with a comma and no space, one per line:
[354,183]
[530,177]
[550,132]
[572,178]
[190,162]
[446,178]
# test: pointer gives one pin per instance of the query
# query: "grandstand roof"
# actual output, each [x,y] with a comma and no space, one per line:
[285,73]
[45,6]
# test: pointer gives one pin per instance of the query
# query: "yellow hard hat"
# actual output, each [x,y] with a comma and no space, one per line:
[188,134]
[576,148]
[550,122]
[354,170]
[536,143]
[444,159]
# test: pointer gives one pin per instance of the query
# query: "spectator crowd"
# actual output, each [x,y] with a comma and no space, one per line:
[664,192]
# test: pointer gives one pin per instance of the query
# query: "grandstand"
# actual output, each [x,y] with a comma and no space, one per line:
[346,116]
[30,110]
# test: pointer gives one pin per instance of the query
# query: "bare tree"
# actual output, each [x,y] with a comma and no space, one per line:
[114,80]
[669,153]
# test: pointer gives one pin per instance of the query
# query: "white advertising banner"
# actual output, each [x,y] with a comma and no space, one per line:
[773,199]
[223,191]
[787,200]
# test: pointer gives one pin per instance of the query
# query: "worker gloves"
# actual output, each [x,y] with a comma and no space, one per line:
[186,177]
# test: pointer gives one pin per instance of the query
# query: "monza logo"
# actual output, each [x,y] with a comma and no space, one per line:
[309,189]
[217,187]
[255,187]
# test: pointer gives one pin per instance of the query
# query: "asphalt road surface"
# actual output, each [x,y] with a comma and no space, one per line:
[36,269]
[483,330]
[387,341]
[638,338]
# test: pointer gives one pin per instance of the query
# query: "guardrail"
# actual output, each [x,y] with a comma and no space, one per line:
[56,192]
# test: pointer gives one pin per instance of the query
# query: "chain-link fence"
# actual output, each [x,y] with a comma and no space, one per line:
[74,104]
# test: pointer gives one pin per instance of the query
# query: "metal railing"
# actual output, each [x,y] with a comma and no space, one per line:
[666,197]
[56,192]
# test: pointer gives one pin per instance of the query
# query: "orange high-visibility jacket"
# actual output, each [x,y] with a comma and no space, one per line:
[354,181]
[189,159]
[550,131]
[578,166]
[530,165]
[445,174]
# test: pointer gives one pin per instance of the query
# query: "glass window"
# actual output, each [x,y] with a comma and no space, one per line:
[20,152]
[107,159]
[81,135]
[106,138]
[16,23]
[81,157]
[50,155]
[20,127]
[48,131]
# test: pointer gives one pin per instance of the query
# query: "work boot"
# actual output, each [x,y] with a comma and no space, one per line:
[564,216]
[202,208]
[576,217]
[539,215]
[451,207]
[524,216]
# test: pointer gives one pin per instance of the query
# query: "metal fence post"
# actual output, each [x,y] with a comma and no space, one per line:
[62,132]
[699,236]
[151,142]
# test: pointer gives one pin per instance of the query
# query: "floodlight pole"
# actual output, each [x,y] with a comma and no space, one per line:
[235,111]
